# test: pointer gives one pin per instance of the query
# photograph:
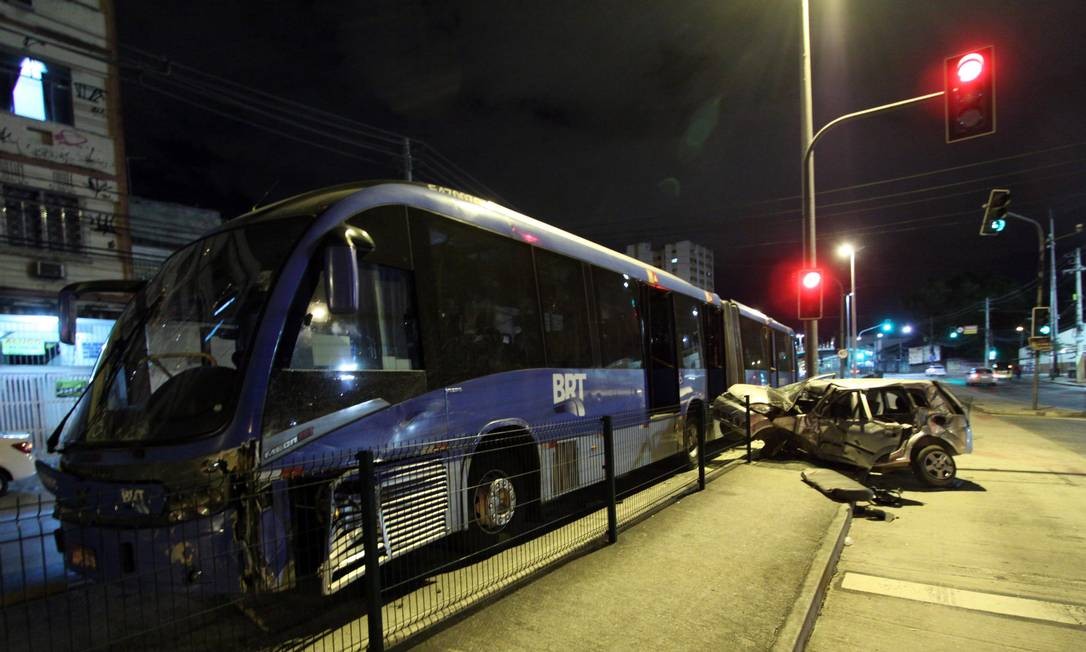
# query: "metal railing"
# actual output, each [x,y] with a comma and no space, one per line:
[360,549]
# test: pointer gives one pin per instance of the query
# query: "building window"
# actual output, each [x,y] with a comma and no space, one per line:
[36,89]
[41,220]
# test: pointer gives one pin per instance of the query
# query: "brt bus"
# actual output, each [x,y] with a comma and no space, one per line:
[361,317]
[766,347]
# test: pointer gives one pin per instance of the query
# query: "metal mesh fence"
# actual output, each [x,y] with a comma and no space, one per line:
[347,551]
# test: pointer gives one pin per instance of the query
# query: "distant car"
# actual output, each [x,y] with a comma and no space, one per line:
[980,376]
[935,370]
[872,424]
[1004,373]
[15,460]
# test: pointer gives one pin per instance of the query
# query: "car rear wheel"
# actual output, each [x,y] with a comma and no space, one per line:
[934,466]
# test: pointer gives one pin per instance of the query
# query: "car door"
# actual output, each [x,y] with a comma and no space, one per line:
[846,432]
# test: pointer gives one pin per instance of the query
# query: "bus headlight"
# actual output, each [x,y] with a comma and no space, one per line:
[194,504]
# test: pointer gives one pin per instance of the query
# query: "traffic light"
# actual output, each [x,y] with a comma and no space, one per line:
[1040,326]
[809,302]
[887,326]
[970,94]
[995,212]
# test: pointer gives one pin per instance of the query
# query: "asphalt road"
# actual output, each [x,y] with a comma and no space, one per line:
[997,563]
[1020,390]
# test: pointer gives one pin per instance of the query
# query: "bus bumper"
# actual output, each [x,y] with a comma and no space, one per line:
[198,556]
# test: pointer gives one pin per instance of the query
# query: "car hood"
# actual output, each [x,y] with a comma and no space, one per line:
[781,398]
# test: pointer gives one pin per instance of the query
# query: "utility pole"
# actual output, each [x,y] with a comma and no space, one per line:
[931,339]
[1053,306]
[987,331]
[844,343]
[1040,293]
[1080,328]
[808,176]
[408,162]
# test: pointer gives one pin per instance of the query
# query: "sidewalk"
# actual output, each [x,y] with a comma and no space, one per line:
[735,566]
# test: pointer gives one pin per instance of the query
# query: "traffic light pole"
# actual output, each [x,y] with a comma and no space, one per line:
[807,181]
[1040,294]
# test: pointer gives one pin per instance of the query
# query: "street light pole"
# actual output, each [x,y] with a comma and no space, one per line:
[848,250]
[807,196]
[1040,294]
[853,317]
[807,177]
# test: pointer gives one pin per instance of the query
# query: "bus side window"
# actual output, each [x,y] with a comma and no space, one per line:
[478,293]
[338,361]
[688,327]
[565,313]
[755,357]
[619,320]
[786,361]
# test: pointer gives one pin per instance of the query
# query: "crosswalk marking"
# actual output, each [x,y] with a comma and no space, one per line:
[975,600]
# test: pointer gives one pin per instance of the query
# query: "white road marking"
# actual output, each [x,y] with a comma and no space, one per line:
[998,604]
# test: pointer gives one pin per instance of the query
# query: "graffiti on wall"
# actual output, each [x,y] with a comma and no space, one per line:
[65,145]
[92,95]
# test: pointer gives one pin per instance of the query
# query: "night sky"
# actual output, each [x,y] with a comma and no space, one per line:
[625,121]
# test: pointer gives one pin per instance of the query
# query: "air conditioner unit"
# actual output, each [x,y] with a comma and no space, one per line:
[48,269]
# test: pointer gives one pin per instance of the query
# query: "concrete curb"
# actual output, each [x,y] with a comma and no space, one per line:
[1026,412]
[797,628]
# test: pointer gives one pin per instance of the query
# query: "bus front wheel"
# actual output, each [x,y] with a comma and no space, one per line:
[497,495]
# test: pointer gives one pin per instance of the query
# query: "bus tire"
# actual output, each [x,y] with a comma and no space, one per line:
[691,425]
[497,491]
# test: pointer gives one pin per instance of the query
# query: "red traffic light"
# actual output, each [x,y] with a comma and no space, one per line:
[809,295]
[969,93]
[970,66]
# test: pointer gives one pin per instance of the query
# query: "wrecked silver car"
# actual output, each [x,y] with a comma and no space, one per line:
[876,424]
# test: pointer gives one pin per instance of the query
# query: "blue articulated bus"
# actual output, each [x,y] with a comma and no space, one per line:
[362,317]
[766,347]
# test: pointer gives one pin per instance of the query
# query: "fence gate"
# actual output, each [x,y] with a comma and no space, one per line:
[34,399]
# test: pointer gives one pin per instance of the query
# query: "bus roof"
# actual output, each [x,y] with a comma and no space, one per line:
[758,315]
[478,212]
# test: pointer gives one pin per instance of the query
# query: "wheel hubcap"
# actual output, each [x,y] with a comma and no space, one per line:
[939,465]
[495,502]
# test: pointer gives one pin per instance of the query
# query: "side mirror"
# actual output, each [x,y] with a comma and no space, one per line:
[66,314]
[70,294]
[341,250]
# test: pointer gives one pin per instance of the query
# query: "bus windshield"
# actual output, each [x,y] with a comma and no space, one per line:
[172,366]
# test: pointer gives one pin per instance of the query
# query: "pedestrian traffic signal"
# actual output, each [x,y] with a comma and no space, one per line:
[969,93]
[809,302]
[995,212]
[1040,326]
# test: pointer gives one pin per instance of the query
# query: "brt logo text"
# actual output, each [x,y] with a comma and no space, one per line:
[567,386]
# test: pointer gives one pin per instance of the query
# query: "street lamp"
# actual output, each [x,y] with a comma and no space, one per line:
[846,250]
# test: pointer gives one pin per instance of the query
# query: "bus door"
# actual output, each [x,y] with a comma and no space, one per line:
[662,367]
[713,327]
[733,347]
